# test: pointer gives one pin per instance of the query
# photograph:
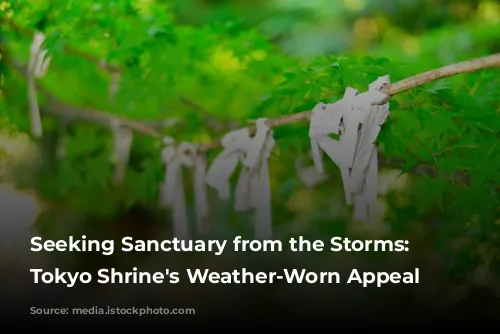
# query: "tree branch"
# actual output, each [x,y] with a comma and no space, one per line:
[411,82]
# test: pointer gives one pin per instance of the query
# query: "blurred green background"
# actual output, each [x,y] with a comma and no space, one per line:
[435,31]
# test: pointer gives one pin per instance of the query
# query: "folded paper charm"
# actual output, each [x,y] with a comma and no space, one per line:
[39,61]
[172,191]
[327,120]
[123,138]
[235,144]
[253,188]
[356,118]
[200,193]
[364,173]
[62,142]
[114,85]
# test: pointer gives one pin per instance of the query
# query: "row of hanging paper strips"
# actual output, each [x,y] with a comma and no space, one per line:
[356,118]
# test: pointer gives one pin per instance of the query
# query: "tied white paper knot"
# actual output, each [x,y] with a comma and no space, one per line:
[253,189]
[37,68]
[200,193]
[123,138]
[172,191]
[364,174]
[356,118]
[235,144]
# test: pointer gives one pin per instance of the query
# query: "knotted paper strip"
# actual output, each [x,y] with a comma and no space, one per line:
[123,138]
[357,119]
[200,194]
[366,158]
[37,68]
[235,144]
[172,191]
[253,189]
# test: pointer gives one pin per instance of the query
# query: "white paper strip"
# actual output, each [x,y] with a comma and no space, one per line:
[327,120]
[235,144]
[324,122]
[123,138]
[349,126]
[62,142]
[357,118]
[253,188]
[114,85]
[39,62]
[37,67]
[348,141]
[242,192]
[172,191]
[366,159]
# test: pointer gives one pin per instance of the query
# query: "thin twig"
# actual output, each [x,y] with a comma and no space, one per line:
[467,66]
[397,87]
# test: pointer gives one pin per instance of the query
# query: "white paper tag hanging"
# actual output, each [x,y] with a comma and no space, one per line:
[359,118]
[367,104]
[123,138]
[350,126]
[364,174]
[253,150]
[253,188]
[257,143]
[235,144]
[172,191]
[242,193]
[315,150]
[349,135]
[262,193]
[37,68]
[167,154]
[62,142]
[200,194]
[324,122]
